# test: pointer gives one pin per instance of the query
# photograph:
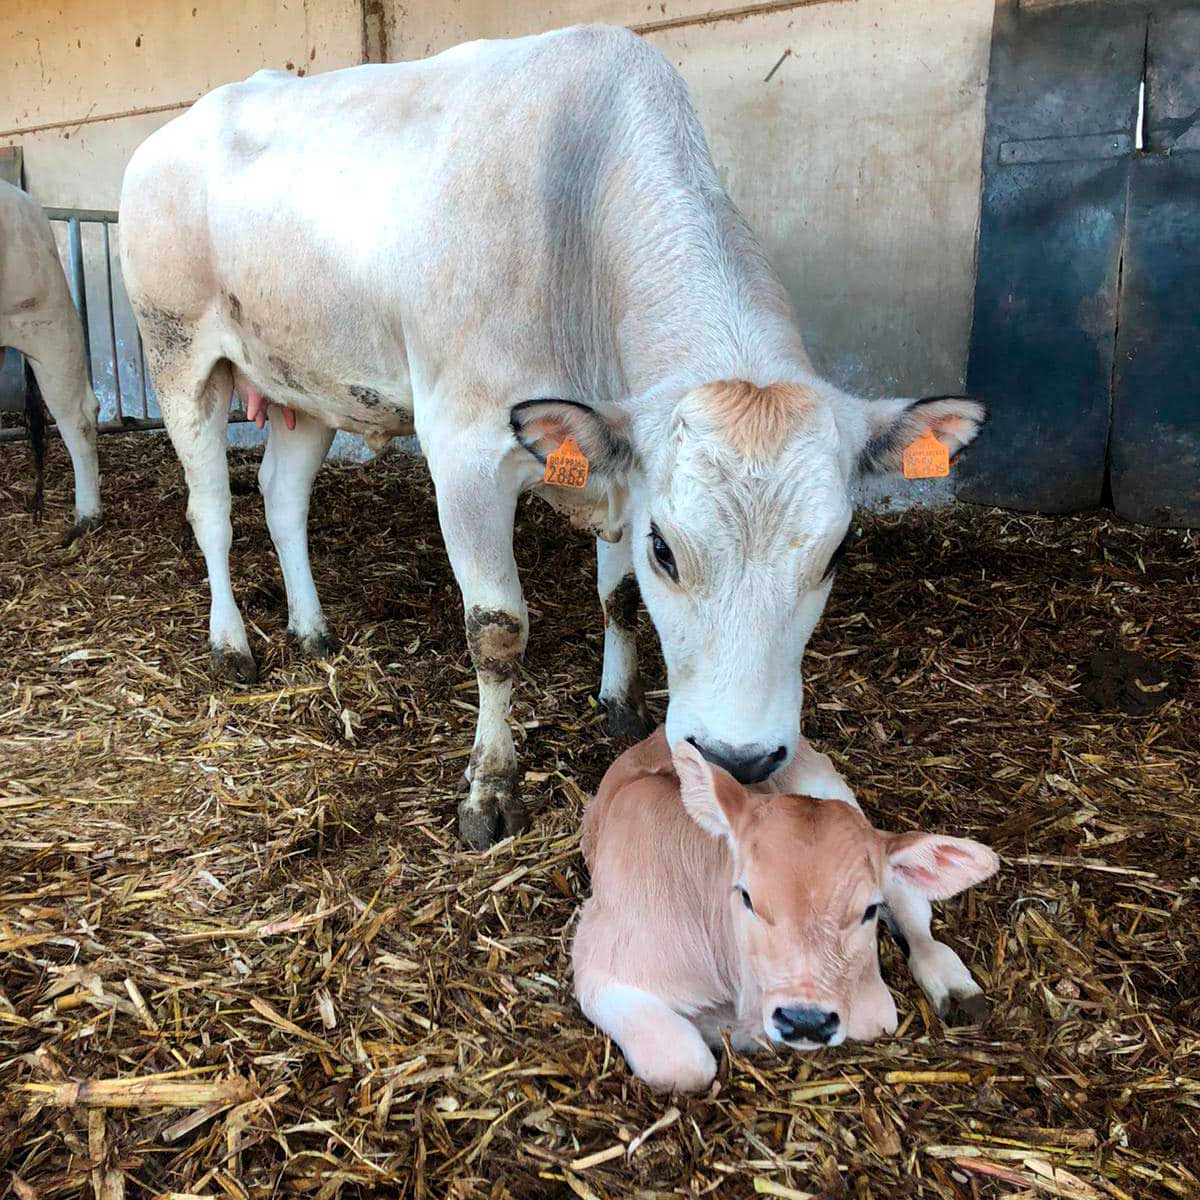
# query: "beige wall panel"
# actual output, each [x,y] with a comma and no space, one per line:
[859,163]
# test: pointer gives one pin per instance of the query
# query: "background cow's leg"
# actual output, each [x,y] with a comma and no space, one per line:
[661,1047]
[197,420]
[72,404]
[939,972]
[476,509]
[620,686]
[289,466]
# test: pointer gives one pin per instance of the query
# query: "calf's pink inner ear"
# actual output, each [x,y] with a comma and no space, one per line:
[940,867]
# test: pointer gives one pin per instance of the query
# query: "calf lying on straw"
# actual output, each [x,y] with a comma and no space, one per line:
[714,907]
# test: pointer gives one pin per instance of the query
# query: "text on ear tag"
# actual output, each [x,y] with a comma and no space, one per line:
[567,466]
[926,458]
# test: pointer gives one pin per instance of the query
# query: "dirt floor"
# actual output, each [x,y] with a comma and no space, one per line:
[241,954]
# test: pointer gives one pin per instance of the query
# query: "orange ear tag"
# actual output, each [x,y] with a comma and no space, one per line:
[926,458]
[567,466]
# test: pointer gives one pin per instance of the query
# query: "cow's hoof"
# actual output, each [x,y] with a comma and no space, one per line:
[82,526]
[491,811]
[965,1008]
[234,665]
[628,718]
[321,644]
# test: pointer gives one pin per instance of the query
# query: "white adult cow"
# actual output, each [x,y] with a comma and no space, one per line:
[38,318]
[507,245]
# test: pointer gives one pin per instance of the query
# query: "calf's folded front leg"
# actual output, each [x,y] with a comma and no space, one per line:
[662,1048]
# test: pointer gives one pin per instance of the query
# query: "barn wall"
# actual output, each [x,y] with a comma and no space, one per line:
[82,84]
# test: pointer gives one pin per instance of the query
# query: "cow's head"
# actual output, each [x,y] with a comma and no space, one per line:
[808,878]
[737,499]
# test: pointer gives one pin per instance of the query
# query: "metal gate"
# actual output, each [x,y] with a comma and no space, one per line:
[1086,339]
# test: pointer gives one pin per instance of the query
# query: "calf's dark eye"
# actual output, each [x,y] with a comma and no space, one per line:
[871,913]
[746,899]
[662,553]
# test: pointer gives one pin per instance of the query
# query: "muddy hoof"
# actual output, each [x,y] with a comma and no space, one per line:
[628,718]
[82,526]
[478,828]
[234,666]
[969,1009]
[321,644]
[491,811]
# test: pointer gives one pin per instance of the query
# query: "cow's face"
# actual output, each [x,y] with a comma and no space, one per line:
[808,878]
[736,500]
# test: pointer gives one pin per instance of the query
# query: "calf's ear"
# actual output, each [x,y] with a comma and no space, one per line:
[712,797]
[541,426]
[940,867]
[893,425]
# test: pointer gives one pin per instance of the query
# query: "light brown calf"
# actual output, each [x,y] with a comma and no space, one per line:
[714,907]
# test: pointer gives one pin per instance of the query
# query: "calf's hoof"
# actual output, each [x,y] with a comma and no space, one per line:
[964,1008]
[491,811]
[82,526]
[321,644]
[628,718]
[234,665]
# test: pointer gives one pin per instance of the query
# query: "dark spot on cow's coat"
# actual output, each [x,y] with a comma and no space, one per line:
[621,606]
[235,308]
[365,395]
[257,328]
[166,335]
[494,639]
[285,372]
[26,305]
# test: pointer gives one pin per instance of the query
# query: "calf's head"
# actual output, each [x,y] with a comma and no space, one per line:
[737,498]
[806,886]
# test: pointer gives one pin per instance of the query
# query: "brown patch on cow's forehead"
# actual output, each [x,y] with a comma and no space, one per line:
[756,421]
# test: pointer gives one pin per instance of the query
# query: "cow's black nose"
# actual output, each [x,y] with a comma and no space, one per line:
[806,1022]
[747,764]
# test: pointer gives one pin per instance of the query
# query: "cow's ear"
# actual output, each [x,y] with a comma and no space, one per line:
[712,797]
[940,867]
[892,425]
[541,426]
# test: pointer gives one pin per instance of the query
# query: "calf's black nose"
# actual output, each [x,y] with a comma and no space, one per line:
[806,1022]
[747,764]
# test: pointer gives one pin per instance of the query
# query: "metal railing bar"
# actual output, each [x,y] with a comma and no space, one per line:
[112,322]
[107,215]
[141,371]
[79,283]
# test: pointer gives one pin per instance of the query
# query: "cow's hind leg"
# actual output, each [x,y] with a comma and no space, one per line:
[662,1047]
[620,686]
[289,466]
[72,404]
[477,503]
[196,413]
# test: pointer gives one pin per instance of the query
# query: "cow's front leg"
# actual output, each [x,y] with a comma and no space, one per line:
[476,510]
[939,972]
[620,686]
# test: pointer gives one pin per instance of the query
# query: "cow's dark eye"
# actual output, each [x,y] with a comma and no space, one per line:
[839,554]
[746,898]
[871,913]
[662,553]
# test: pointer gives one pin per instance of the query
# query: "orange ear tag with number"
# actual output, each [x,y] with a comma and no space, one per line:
[926,458]
[567,466]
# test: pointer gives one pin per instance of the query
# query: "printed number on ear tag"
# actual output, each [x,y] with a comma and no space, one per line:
[926,458]
[567,466]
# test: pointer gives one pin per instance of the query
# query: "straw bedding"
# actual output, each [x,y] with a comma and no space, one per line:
[241,954]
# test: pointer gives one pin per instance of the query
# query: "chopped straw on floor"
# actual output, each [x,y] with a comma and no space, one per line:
[241,954]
